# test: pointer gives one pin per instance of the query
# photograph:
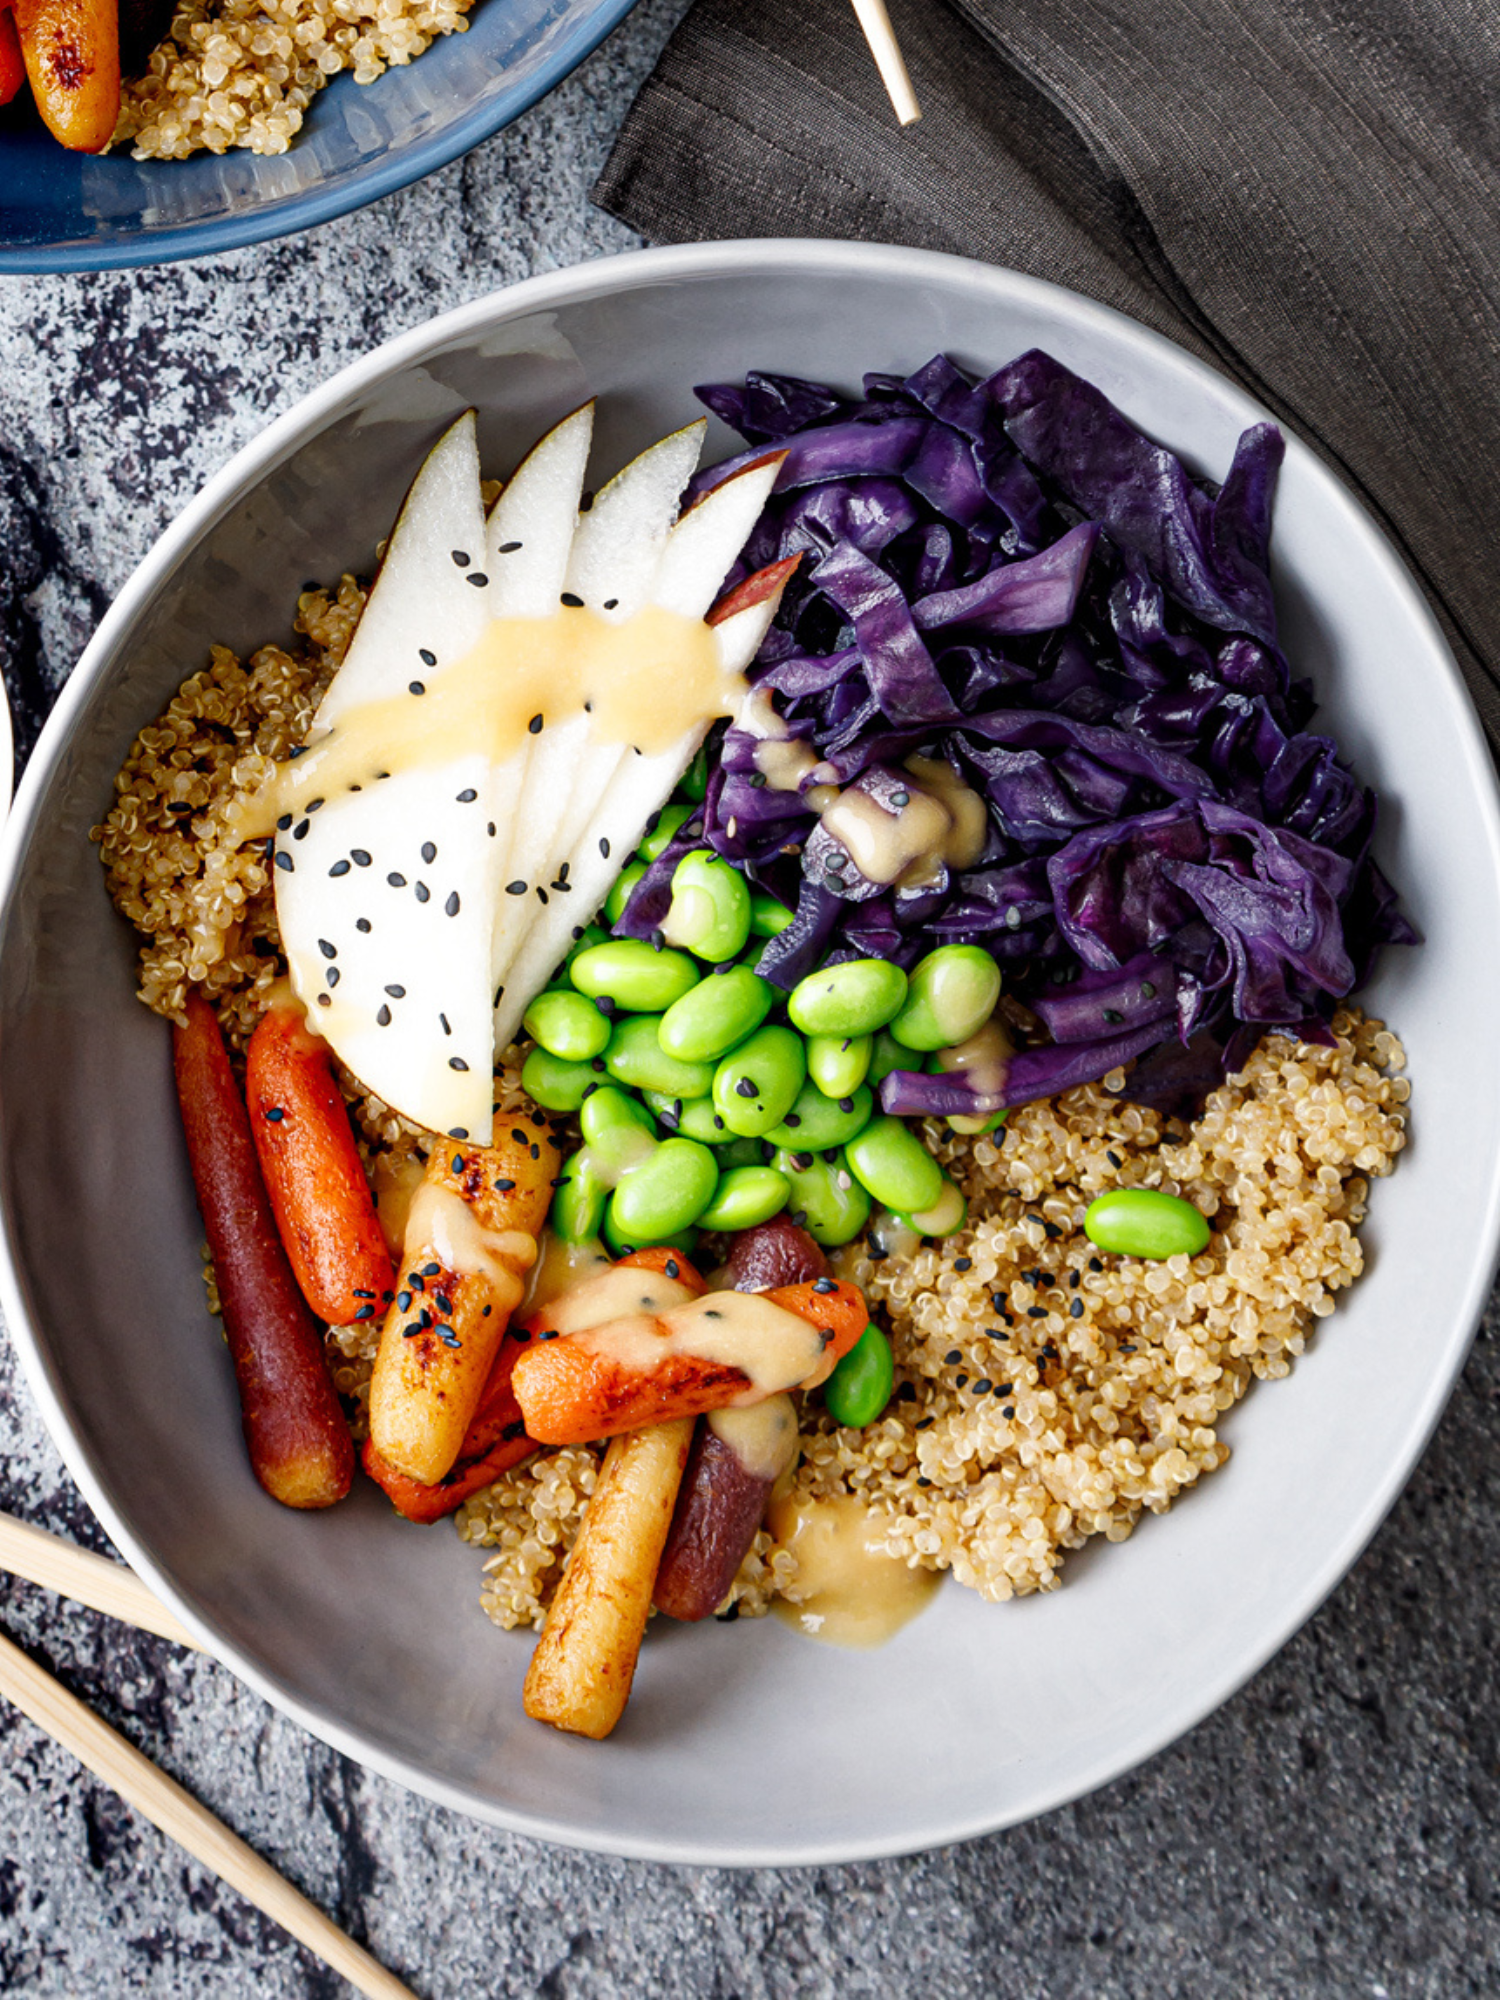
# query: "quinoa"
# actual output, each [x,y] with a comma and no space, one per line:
[1045,1392]
[241,73]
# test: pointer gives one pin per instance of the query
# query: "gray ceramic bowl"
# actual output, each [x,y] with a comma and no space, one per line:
[743,1744]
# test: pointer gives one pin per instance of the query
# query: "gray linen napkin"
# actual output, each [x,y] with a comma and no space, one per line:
[1303,191]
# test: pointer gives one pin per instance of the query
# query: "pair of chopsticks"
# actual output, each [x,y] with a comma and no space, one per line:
[109,1587]
[889,60]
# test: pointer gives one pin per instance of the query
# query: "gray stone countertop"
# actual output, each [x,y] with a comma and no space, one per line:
[1331,1830]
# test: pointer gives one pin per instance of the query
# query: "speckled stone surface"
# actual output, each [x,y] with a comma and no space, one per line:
[1331,1831]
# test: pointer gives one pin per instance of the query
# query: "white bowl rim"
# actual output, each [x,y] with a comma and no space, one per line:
[227,488]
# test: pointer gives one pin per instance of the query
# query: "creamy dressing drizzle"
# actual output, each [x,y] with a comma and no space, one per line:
[645,680]
[982,1061]
[617,1294]
[442,1223]
[395,1183]
[854,1594]
[559,1268]
[775,1349]
[762,1436]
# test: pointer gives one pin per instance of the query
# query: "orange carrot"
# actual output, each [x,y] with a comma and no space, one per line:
[317,1185]
[495,1441]
[72,54]
[299,1444]
[12,62]
[574,1389]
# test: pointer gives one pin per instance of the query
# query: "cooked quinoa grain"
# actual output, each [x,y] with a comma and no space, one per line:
[1045,1391]
[241,73]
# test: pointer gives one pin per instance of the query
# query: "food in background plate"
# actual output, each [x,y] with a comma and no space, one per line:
[983,915]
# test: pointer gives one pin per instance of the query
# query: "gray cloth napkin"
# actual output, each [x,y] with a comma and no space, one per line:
[1304,192]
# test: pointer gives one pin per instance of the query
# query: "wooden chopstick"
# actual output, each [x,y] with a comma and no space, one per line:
[881,36]
[73,1572]
[106,1586]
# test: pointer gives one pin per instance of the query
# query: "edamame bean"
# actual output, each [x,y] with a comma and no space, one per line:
[707,1022]
[739,1153]
[685,1240]
[1143,1222]
[860,1386]
[886,1054]
[854,998]
[618,1131]
[555,1084]
[588,936]
[756,1085]
[826,1200]
[693,784]
[636,1057]
[620,894]
[566,1024]
[837,1063]
[577,1211]
[745,1197]
[710,910]
[634,975]
[768,918]
[890,1161]
[669,1190]
[659,832]
[952,994]
[946,1217]
[816,1122]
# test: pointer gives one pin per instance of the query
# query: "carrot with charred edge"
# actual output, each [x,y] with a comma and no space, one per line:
[72,54]
[12,62]
[754,590]
[495,1441]
[317,1185]
[299,1444]
[574,1389]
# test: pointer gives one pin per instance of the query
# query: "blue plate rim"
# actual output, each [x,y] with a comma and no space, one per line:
[308,211]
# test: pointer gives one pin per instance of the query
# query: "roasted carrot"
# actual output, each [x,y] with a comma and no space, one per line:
[12,62]
[594,1384]
[495,1441]
[299,1444]
[317,1185]
[470,1239]
[72,54]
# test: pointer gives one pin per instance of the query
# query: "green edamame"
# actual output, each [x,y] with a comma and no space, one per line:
[855,998]
[745,1197]
[756,1085]
[952,994]
[718,1012]
[620,894]
[838,1064]
[693,784]
[768,918]
[738,1152]
[1143,1222]
[946,1217]
[826,1200]
[577,1212]
[566,1024]
[635,1057]
[816,1122]
[886,1054]
[555,1084]
[588,936]
[692,1117]
[669,1190]
[889,1160]
[860,1386]
[710,910]
[618,1131]
[634,975]
[659,831]
[620,1245]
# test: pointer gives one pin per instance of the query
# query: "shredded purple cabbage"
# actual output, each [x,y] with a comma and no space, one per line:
[1008,575]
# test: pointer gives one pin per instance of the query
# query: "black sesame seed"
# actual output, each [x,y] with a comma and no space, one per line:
[313,805]
[658,939]
[284,822]
[417,687]
[900,800]
[403,1301]
[747,1087]
[1095,1265]
[467,798]
[396,881]
[960,1381]
[462,558]
[332,975]
[396,992]
[1036,1312]
[339,868]
[422,893]
[492,829]
[443,1018]
[963,1263]
[503,1186]
[429,851]
[457,1062]
[907,1393]
[541,894]
[427,659]
[515,888]
[457,1165]
[825,1285]
[1076,1309]
[573,603]
[458,1131]
[365,1312]
[432,1270]
[360,856]
[325,1000]
[450,908]
[274,1115]
[443,1303]
[1114,1160]
[1051,1229]
[1009,1410]
[1113,1016]
[846,1104]
[299,831]
[411,1332]
[535,1151]
[1073,1281]
[383,1018]
[520,1137]
[328,950]
[535,725]
[478,579]
[791,1118]
[507,548]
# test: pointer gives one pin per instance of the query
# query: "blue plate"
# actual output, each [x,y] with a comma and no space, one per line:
[63,211]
